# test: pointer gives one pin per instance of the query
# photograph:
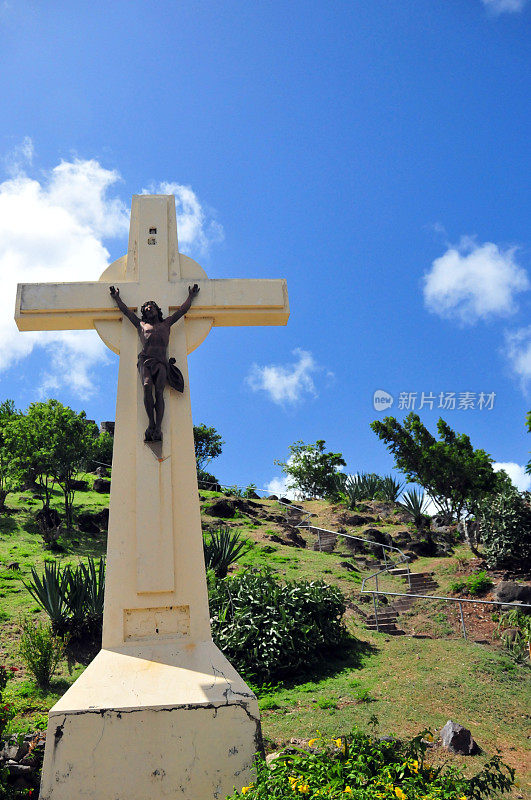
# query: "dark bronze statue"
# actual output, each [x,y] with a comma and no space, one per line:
[153,365]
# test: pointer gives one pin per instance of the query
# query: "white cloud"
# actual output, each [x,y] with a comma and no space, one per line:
[500,6]
[279,486]
[196,230]
[52,229]
[518,352]
[286,384]
[516,473]
[474,281]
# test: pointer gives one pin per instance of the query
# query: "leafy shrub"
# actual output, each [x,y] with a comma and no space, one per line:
[267,629]
[72,598]
[475,585]
[40,650]
[222,549]
[505,529]
[364,767]
[479,583]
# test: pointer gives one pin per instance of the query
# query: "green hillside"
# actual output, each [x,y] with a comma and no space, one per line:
[408,682]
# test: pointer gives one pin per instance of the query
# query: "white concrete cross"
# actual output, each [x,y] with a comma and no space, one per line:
[156,604]
[152,269]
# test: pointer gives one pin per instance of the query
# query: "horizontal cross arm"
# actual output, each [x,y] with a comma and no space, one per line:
[241,302]
[66,306]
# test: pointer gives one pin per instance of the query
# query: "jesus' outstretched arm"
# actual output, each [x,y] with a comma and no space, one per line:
[115,294]
[192,291]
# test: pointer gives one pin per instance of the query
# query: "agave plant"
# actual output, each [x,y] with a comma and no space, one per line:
[364,486]
[93,576]
[415,503]
[48,590]
[390,489]
[72,598]
[223,549]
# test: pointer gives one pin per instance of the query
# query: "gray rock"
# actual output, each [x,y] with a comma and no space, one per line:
[19,770]
[512,592]
[102,486]
[12,751]
[458,739]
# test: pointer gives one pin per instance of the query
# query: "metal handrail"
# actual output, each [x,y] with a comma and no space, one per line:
[459,600]
[404,560]
[306,526]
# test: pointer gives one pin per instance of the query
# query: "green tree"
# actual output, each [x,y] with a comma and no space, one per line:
[53,443]
[505,529]
[8,471]
[208,445]
[312,470]
[456,476]
[102,450]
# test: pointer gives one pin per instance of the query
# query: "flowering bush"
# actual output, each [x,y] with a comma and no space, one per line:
[362,767]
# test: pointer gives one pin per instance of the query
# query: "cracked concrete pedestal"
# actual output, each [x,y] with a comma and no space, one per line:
[166,724]
[159,713]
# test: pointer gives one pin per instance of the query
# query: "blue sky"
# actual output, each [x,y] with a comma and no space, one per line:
[376,155]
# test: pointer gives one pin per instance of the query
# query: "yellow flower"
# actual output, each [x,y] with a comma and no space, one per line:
[304,788]
[293,781]
[338,742]
[312,742]
[347,790]
[463,797]
[414,766]
[246,789]
[429,737]
[399,793]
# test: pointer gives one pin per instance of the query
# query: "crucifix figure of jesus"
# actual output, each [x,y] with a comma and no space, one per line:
[154,368]
[160,712]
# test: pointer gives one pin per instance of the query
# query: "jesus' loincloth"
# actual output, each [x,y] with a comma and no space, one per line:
[149,365]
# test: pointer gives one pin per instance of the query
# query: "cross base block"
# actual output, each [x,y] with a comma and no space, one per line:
[181,724]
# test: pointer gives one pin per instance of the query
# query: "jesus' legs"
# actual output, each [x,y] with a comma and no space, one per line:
[160,382]
[149,406]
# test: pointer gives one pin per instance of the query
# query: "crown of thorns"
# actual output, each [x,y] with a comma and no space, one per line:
[150,303]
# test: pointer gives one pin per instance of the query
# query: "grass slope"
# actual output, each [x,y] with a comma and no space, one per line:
[407,683]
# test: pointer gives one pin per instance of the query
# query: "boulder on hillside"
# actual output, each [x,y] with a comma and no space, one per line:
[354,520]
[458,739]
[295,538]
[102,486]
[272,497]
[93,522]
[377,536]
[423,547]
[225,509]
[513,592]
[79,485]
[441,523]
